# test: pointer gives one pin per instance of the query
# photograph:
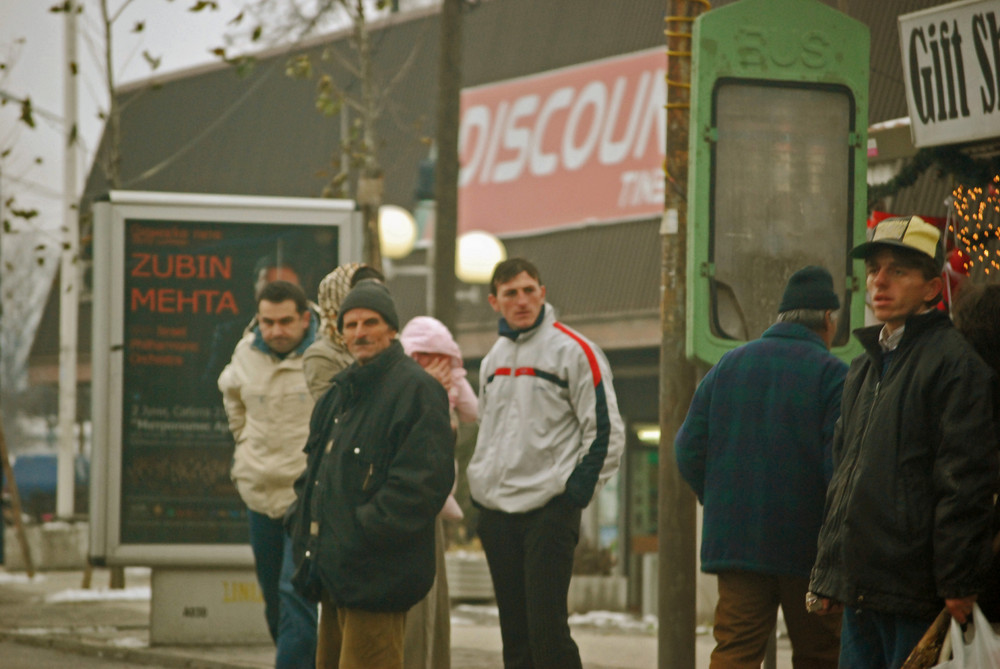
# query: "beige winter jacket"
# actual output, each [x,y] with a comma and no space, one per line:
[268,406]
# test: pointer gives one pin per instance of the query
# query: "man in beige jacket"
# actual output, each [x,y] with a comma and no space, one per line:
[268,406]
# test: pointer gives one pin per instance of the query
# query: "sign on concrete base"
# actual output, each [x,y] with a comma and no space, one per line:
[206,606]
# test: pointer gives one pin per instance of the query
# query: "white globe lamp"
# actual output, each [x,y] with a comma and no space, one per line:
[477,254]
[397,231]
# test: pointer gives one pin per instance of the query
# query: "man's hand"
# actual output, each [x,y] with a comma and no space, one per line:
[961,609]
[822,606]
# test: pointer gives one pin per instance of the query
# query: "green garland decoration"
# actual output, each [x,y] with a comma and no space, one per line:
[949,160]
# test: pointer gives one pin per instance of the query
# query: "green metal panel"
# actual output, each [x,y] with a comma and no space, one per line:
[786,56]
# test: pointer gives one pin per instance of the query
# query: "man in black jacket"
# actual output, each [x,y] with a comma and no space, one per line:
[381,464]
[908,518]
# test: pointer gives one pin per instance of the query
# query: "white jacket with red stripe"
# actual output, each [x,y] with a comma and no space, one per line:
[548,420]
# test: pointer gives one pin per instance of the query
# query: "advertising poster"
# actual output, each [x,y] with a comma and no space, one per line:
[189,297]
[175,279]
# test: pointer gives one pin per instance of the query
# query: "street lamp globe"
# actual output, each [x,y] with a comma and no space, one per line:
[397,231]
[477,254]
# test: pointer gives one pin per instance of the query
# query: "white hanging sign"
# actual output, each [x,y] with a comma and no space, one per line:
[951,69]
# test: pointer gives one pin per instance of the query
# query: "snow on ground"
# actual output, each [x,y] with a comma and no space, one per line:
[609,621]
[461,614]
[140,594]
[20,578]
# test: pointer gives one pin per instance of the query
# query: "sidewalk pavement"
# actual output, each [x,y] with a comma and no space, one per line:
[51,610]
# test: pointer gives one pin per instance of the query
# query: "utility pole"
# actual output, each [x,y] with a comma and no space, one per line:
[446,166]
[69,290]
[676,514]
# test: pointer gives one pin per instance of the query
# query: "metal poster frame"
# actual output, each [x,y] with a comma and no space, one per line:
[150,273]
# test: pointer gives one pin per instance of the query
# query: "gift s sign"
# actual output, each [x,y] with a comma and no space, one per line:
[951,61]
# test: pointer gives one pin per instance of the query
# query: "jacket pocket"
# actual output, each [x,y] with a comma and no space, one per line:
[306,579]
[367,474]
[911,497]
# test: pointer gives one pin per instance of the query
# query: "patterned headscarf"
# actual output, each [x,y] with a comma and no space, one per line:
[332,290]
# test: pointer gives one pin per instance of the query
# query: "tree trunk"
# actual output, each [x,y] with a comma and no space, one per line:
[370,184]
[112,161]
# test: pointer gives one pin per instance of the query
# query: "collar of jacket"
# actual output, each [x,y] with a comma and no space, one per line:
[356,376]
[507,331]
[915,326]
[794,331]
[310,336]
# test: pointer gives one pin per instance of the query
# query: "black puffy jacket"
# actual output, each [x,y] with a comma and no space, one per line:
[909,509]
[381,464]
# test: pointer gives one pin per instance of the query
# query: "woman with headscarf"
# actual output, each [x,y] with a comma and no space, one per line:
[427,644]
[328,354]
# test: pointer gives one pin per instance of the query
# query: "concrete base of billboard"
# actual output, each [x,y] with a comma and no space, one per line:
[205,606]
[55,545]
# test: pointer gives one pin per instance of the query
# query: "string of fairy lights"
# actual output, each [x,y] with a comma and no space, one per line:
[976,227]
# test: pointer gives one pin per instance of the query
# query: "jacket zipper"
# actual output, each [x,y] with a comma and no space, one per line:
[864,434]
[868,421]
[313,523]
[849,486]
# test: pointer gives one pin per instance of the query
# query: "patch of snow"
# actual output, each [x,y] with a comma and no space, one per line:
[139,594]
[129,642]
[474,614]
[479,614]
[614,621]
[478,609]
[92,629]
[460,621]
[42,631]
[20,578]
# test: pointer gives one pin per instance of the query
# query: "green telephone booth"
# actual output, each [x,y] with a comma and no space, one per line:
[777,180]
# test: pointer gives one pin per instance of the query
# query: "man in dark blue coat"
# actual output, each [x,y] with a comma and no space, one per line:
[755,447]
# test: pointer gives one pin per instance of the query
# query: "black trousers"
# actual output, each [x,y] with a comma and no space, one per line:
[530,556]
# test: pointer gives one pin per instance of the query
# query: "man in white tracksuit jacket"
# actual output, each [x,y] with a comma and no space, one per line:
[550,436]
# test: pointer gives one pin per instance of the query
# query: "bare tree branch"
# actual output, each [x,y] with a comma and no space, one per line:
[121,9]
[403,70]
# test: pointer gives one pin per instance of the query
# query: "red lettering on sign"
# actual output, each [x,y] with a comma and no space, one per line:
[173,301]
[181,266]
